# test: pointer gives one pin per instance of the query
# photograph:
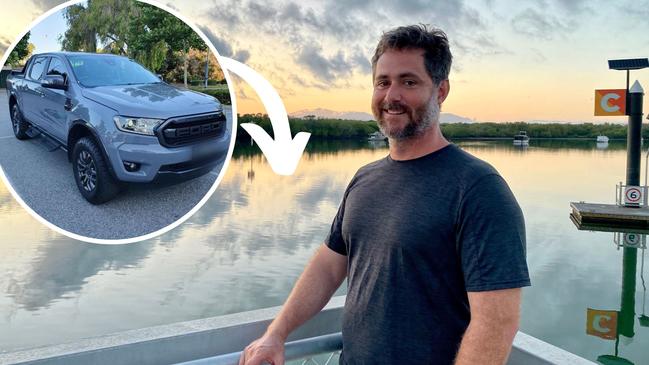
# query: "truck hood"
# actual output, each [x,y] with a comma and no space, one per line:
[161,101]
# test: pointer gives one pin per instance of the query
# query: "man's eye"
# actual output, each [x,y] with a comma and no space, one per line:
[410,82]
[381,84]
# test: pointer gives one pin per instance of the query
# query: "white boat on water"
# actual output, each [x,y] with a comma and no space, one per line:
[376,136]
[521,139]
[602,139]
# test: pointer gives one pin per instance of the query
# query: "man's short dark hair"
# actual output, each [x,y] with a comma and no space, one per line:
[437,54]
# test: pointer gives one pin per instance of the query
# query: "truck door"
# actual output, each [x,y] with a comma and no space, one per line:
[56,103]
[32,91]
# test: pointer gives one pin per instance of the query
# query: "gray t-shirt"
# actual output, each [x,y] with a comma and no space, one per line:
[418,235]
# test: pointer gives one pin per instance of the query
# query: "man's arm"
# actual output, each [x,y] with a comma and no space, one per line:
[494,322]
[320,279]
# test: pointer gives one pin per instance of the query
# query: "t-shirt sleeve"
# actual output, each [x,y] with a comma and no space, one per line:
[491,237]
[335,239]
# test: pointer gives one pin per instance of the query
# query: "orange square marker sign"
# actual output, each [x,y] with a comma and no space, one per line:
[610,102]
[601,323]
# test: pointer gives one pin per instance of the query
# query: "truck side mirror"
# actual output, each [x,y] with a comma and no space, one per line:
[160,77]
[54,82]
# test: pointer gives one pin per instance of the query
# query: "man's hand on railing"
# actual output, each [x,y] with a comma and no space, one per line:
[267,349]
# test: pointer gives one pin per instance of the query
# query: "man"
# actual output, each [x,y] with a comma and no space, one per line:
[430,238]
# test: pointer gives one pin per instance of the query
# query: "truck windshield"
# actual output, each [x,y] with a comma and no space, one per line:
[92,71]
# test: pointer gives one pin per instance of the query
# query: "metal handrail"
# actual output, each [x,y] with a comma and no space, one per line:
[293,350]
[214,341]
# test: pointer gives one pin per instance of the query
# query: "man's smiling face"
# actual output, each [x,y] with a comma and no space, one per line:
[405,100]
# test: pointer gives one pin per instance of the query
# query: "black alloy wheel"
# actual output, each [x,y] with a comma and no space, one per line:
[18,124]
[87,171]
[91,172]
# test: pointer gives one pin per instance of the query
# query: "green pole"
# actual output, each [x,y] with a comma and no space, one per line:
[626,317]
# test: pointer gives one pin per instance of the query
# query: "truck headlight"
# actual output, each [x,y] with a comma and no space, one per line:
[137,125]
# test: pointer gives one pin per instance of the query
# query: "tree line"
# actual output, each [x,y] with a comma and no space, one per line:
[151,36]
[319,128]
[21,52]
[536,130]
[353,129]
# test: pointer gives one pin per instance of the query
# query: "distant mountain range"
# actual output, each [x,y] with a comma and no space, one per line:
[454,118]
[444,117]
[539,121]
[331,114]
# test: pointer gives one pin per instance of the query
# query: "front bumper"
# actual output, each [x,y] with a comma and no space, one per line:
[164,164]
[170,174]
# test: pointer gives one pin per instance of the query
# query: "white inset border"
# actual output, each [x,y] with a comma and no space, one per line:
[200,203]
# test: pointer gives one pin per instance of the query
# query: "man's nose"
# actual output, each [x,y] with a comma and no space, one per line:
[393,94]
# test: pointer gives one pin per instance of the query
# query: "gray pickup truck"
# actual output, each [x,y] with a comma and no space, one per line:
[117,121]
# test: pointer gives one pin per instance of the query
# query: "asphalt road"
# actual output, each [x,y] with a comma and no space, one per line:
[42,176]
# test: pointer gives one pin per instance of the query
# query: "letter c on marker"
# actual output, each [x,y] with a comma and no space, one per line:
[597,319]
[604,103]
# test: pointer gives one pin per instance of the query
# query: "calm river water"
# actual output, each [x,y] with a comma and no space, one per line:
[245,248]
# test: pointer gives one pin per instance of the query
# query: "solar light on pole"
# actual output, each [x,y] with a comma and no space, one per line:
[627,65]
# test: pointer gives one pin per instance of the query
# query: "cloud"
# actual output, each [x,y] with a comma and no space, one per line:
[537,56]
[225,48]
[328,68]
[635,9]
[260,10]
[450,15]
[468,47]
[361,61]
[242,55]
[532,23]
[225,16]
[293,13]
[47,4]
[320,66]
[4,43]
[332,40]
[575,7]
[296,79]
[172,6]
[219,43]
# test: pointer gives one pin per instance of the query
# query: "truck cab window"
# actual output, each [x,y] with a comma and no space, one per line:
[38,66]
[57,68]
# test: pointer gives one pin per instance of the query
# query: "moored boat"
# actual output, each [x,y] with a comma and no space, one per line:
[521,138]
[377,136]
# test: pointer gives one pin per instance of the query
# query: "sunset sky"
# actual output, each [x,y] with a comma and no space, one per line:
[513,60]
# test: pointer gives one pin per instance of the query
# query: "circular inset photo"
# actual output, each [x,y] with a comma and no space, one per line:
[116,122]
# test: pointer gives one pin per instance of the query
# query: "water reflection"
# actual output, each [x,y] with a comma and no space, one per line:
[63,266]
[618,323]
[246,246]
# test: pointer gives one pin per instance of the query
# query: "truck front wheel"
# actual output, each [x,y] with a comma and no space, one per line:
[18,124]
[91,172]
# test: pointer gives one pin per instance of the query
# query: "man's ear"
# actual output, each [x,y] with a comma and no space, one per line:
[442,91]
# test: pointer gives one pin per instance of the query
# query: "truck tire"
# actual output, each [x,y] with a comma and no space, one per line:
[18,124]
[91,172]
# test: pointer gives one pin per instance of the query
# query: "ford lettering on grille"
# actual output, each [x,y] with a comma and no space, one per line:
[183,131]
[198,130]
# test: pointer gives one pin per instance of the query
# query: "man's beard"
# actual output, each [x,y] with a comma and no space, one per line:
[420,120]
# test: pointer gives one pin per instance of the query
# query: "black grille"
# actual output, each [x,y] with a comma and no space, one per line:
[188,130]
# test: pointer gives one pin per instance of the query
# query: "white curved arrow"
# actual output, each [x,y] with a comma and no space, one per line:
[283,153]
